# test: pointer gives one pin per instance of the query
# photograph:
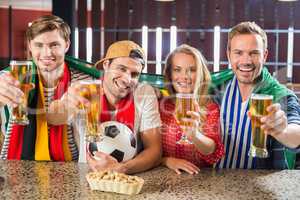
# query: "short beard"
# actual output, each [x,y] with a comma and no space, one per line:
[246,82]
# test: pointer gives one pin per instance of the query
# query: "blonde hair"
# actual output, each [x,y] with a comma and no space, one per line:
[48,23]
[247,28]
[202,79]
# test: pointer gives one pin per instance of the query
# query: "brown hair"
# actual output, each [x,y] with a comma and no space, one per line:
[247,28]
[48,23]
[202,79]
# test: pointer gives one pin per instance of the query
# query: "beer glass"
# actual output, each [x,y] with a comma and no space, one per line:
[22,71]
[91,90]
[184,103]
[258,109]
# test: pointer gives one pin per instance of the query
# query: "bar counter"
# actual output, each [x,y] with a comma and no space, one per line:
[58,180]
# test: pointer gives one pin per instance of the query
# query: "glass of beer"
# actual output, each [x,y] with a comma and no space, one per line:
[258,109]
[91,90]
[184,103]
[22,71]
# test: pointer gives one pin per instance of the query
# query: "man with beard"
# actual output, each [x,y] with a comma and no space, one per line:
[247,53]
[125,101]
[48,40]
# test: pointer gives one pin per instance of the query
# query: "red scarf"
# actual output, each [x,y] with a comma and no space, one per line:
[125,111]
[56,132]
[23,138]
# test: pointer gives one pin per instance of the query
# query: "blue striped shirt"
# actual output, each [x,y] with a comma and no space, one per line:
[236,131]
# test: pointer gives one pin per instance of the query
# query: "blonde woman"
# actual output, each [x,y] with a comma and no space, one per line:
[186,72]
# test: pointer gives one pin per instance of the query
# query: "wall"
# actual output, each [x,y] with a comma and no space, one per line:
[205,14]
[185,14]
[20,20]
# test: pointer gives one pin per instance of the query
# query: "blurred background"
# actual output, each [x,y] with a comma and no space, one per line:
[160,26]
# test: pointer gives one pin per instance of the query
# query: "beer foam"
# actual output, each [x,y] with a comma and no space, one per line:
[184,95]
[88,82]
[261,97]
[20,62]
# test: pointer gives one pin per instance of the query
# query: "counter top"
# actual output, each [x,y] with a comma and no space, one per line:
[58,180]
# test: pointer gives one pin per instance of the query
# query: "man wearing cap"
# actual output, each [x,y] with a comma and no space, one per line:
[128,102]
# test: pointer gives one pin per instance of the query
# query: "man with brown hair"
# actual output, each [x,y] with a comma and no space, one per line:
[128,102]
[247,53]
[42,139]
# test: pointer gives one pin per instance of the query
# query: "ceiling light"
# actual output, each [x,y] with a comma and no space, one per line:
[287,0]
[165,0]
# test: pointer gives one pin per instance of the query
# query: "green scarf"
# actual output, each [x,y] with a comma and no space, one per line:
[83,66]
[265,84]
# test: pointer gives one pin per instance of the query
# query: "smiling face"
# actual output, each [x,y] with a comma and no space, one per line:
[247,56]
[48,51]
[183,73]
[120,77]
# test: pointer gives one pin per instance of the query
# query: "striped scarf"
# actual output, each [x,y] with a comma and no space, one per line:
[79,69]
[236,129]
[236,126]
[31,142]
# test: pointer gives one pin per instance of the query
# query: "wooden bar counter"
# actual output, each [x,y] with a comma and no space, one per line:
[58,180]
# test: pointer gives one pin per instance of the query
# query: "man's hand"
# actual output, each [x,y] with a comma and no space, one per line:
[102,161]
[72,99]
[177,164]
[10,93]
[62,110]
[275,123]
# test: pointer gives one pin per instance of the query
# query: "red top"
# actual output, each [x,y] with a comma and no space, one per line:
[171,133]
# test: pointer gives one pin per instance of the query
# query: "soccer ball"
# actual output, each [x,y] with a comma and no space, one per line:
[118,141]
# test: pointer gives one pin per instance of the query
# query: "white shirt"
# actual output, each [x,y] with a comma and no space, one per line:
[146,117]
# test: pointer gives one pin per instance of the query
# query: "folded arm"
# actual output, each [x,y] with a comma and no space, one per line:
[147,159]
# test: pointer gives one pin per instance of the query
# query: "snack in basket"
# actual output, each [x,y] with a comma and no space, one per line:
[109,181]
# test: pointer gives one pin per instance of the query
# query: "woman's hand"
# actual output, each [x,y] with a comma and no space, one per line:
[193,121]
[203,143]
[177,164]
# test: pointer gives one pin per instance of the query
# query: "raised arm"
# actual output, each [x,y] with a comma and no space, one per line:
[284,124]
[61,110]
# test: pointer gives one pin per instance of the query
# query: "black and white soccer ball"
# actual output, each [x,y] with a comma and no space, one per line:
[118,141]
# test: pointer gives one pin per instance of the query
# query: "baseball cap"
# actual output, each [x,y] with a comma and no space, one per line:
[124,48]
